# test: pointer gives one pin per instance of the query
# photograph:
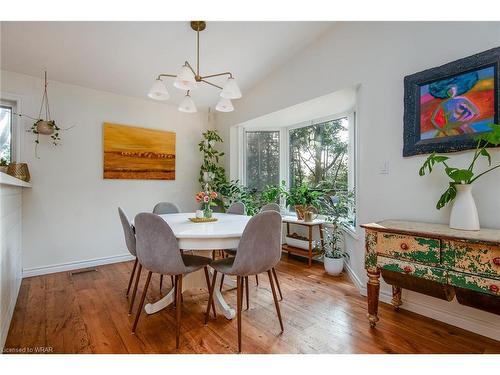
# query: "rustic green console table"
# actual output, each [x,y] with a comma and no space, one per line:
[435,260]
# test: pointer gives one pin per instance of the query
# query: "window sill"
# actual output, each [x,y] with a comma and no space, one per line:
[352,233]
[6,179]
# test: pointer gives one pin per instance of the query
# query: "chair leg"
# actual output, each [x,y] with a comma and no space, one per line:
[239,282]
[277,283]
[221,282]
[246,292]
[135,288]
[275,299]
[211,296]
[207,278]
[141,304]
[161,281]
[213,254]
[178,309]
[132,276]
[172,280]
[257,279]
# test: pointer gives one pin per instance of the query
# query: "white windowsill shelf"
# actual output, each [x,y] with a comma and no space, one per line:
[6,179]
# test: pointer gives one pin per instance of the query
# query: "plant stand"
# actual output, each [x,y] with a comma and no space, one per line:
[309,253]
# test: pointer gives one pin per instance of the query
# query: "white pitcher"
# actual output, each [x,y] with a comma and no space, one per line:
[464,212]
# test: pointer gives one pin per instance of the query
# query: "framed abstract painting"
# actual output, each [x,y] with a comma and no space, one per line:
[138,153]
[445,107]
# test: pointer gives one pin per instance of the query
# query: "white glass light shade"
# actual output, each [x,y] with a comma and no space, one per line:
[187,105]
[230,90]
[224,105]
[185,79]
[159,91]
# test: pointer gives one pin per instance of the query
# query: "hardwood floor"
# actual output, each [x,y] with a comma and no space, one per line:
[87,313]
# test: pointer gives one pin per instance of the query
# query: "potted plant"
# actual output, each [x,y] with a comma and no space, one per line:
[274,194]
[464,212]
[301,197]
[333,250]
[336,210]
[3,165]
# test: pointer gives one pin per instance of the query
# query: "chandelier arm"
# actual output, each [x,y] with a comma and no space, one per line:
[190,67]
[166,75]
[218,75]
[211,84]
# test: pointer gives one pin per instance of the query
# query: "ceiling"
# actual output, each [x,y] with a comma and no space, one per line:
[125,57]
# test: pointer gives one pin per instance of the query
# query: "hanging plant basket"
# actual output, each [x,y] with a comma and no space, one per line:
[45,127]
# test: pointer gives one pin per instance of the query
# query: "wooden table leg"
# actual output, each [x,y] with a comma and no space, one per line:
[287,234]
[396,297]
[373,289]
[310,246]
[320,226]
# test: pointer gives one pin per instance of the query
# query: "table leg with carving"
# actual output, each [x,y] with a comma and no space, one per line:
[396,297]
[373,289]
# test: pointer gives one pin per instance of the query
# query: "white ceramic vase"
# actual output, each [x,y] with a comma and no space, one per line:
[333,266]
[464,212]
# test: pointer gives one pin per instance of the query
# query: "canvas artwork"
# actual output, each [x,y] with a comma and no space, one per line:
[445,107]
[463,104]
[138,153]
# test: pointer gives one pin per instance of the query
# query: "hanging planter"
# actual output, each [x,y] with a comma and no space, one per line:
[44,125]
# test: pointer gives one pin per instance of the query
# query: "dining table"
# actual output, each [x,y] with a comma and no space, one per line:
[198,237]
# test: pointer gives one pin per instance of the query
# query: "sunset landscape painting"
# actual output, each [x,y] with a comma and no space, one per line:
[138,153]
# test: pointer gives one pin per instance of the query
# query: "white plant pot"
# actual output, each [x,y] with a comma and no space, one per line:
[333,266]
[295,242]
[464,212]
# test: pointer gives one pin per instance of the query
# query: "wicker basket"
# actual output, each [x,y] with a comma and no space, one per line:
[20,171]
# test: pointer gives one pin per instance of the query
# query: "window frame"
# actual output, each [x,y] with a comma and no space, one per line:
[4,105]
[15,102]
[284,134]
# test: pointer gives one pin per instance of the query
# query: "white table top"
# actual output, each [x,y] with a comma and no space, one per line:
[227,226]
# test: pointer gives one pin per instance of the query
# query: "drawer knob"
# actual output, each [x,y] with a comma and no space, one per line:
[496,261]
[407,269]
[404,246]
[494,288]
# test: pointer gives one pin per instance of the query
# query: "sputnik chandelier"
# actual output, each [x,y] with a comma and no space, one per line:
[188,79]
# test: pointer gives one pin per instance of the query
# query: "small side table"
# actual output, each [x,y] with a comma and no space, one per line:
[310,225]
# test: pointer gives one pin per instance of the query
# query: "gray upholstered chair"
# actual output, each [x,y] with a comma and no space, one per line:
[259,251]
[271,207]
[236,208]
[158,251]
[128,232]
[163,208]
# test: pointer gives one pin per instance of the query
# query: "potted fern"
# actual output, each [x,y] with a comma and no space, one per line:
[464,212]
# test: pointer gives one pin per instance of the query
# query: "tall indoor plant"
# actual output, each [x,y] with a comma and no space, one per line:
[464,212]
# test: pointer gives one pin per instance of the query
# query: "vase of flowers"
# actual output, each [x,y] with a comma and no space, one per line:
[206,198]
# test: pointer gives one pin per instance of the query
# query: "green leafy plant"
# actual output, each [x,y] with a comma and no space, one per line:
[233,191]
[3,162]
[463,176]
[274,193]
[332,243]
[304,195]
[211,159]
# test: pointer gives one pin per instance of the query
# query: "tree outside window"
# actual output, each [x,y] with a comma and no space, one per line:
[319,155]
[262,159]
[6,133]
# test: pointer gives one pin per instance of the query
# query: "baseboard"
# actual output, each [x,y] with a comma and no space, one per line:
[10,314]
[468,323]
[44,270]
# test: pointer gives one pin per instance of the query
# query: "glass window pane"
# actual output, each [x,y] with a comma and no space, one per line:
[5,133]
[319,155]
[262,159]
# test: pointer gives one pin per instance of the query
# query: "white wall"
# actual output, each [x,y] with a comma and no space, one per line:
[70,214]
[10,254]
[376,56]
